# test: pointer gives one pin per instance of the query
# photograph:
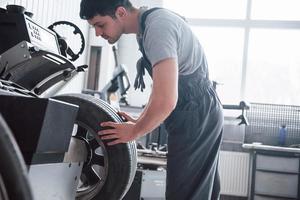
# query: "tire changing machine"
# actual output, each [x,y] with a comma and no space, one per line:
[57,135]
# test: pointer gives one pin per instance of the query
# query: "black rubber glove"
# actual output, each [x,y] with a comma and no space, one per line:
[139,78]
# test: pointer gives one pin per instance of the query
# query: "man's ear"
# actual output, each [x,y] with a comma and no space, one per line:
[120,12]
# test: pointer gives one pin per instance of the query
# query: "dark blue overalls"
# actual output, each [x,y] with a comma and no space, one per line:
[194,137]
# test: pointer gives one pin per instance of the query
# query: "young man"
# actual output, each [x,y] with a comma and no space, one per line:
[182,95]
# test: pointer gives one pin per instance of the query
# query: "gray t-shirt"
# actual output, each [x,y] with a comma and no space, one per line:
[167,35]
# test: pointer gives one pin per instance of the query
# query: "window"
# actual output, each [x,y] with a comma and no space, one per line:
[252,46]
[276,9]
[224,54]
[229,9]
[273,66]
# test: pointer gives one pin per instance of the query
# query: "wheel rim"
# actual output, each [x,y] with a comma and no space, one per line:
[119,160]
[95,169]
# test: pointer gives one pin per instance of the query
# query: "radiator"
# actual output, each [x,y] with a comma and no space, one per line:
[234,173]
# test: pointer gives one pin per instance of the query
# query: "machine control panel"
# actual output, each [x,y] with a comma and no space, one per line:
[43,38]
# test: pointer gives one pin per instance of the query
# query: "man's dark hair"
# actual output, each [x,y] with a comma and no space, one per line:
[91,8]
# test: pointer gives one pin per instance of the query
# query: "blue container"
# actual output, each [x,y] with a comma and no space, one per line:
[282,135]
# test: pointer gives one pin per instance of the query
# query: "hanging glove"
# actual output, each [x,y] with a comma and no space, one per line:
[140,72]
[141,65]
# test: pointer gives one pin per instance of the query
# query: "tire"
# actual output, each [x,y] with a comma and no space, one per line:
[114,166]
[14,183]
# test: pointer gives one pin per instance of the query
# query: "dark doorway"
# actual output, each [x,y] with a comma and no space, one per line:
[94,68]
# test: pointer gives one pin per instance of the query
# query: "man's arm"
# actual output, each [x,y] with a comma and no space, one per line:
[163,98]
[162,101]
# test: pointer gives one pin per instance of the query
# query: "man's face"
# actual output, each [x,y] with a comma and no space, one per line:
[107,27]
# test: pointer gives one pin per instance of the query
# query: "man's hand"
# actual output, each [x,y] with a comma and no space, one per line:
[120,132]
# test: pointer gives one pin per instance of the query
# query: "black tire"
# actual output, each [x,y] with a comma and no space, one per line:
[14,183]
[117,164]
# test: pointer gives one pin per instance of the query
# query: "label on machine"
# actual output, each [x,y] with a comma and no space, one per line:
[41,37]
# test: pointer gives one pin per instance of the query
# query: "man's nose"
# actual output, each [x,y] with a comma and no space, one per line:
[98,32]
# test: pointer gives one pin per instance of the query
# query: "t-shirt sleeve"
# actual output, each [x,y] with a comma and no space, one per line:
[160,40]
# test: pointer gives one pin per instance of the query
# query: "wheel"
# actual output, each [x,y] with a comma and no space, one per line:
[109,170]
[14,182]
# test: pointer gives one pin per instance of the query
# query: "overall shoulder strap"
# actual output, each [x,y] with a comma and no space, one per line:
[144,16]
[143,19]
[144,62]
[147,12]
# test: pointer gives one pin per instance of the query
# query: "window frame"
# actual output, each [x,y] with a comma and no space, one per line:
[246,24]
